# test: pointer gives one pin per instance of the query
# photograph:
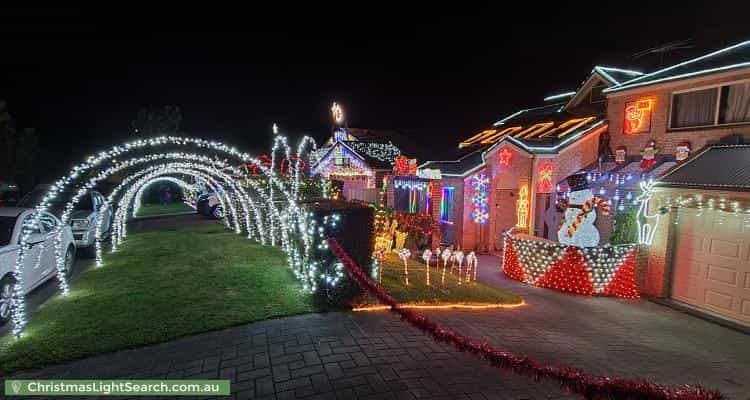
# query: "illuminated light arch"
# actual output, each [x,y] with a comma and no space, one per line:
[293,218]
[121,166]
[108,200]
[177,168]
[139,196]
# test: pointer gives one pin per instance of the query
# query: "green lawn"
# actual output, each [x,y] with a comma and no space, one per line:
[148,210]
[158,286]
[473,293]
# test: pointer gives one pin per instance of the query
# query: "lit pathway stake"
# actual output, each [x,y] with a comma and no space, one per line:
[459,256]
[426,256]
[404,254]
[446,256]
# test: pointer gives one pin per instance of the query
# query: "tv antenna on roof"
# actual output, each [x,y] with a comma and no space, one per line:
[665,48]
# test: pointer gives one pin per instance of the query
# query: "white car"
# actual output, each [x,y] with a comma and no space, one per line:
[39,262]
[82,219]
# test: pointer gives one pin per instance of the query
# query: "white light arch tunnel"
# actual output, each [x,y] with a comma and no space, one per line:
[138,180]
[138,200]
[292,216]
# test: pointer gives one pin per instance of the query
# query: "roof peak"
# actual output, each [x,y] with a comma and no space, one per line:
[643,79]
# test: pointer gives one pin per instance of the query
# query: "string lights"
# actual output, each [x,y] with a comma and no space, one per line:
[604,270]
[481,212]
[266,206]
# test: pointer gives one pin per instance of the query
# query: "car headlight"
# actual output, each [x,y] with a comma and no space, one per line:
[80,224]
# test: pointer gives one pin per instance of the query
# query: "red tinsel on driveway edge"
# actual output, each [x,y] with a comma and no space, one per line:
[572,379]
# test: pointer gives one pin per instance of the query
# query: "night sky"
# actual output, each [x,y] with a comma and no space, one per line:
[80,75]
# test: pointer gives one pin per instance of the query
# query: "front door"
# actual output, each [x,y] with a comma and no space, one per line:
[505,215]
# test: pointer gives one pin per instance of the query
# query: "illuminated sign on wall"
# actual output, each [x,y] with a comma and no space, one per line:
[545,177]
[638,116]
[522,207]
[403,166]
[505,157]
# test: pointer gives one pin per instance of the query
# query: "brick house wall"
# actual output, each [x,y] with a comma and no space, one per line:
[505,182]
[654,266]
[667,140]
[458,208]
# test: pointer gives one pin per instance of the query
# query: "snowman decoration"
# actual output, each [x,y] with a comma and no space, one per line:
[577,228]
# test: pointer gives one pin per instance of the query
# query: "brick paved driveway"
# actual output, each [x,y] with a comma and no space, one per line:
[376,356]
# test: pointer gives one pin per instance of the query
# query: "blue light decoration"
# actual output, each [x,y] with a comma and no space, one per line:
[340,135]
[481,212]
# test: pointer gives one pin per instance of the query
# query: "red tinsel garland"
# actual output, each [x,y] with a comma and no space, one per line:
[571,379]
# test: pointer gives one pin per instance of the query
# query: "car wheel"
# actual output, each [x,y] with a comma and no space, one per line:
[6,299]
[69,261]
[217,212]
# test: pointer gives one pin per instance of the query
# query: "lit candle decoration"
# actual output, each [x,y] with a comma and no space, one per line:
[426,256]
[459,256]
[404,254]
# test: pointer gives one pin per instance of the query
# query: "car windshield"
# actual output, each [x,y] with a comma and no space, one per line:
[6,229]
[84,204]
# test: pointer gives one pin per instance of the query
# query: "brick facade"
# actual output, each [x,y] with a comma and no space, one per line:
[666,139]
[655,275]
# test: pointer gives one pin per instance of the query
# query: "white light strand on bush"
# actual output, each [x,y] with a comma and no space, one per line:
[386,152]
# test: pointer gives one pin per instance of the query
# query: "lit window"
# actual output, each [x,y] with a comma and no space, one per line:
[696,108]
[446,205]
[735,104]
[724,105]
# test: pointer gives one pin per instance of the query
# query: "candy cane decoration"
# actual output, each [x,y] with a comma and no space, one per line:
[446,256]
[459,256]
[426,256]
[404,254]
[585,209]
[379,255]
[471,262]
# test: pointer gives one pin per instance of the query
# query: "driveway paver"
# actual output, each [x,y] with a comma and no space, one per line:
[374,355]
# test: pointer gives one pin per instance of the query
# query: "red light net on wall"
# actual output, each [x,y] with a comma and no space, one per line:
[604,270]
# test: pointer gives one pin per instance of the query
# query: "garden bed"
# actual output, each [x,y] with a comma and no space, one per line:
[471,295]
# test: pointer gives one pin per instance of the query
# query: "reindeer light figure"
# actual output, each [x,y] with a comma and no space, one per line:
[647,223]
[426,256]
[404,254]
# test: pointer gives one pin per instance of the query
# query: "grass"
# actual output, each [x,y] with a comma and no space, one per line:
[473,293]
[158,286]
[148,210]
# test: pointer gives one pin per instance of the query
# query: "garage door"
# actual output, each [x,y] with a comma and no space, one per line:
[712,263]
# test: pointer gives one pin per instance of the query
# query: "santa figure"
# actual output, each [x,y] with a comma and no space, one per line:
[577,227]
[683,151]
[649,155]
